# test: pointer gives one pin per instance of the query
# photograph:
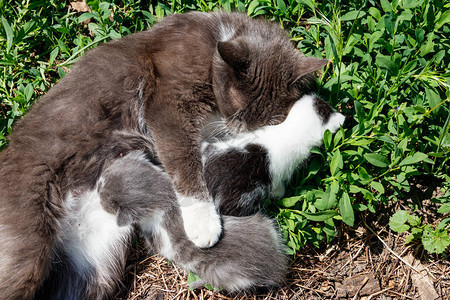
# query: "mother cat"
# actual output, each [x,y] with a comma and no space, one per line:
[165,83]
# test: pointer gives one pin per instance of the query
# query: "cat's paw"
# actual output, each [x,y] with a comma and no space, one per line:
[202,223]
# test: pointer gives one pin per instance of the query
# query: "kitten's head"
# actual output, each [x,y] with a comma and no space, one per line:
[259,75]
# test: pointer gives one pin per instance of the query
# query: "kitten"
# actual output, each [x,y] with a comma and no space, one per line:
[241,172]
[249,254]
[163,84]
[133,191]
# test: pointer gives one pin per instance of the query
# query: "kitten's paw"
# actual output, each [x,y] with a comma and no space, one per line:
[202,223]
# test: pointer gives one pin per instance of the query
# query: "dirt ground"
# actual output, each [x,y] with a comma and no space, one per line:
[370,262]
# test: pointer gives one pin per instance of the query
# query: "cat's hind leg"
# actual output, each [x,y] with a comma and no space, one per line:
[90,257]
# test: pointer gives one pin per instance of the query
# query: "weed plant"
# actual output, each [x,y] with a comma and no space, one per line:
[388,73]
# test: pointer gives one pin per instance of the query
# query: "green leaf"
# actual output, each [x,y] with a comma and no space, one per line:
[409,238]
[308,3]
[327,135]
[416,232]
[281,5]
[346,209]
[364,175]
[444,223]
[428,46]
[414,220]
[192,278]
[409,160]
[377,186]
[28,92]
[411,3]
[61,72]
[392,128]
[327,201]
[377,160]
[338,136]
[352,15]
[374,12]
[360,142]
[336,162]
[251,8]
[397,222]
[433,99]
[53,55]
[385,62]
[319,216]
[85,16]
[359,109]
[445,208]
[389,23]
[289,202]
[443,19]
[360,207]
[386,5]
[9,34]
[435,241]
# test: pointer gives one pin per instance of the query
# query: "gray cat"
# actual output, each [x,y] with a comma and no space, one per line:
[152,91]
[133,190]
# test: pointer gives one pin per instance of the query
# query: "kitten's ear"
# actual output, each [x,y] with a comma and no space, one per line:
[307,65]
[235,54]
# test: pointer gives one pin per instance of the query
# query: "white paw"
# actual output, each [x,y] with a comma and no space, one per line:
[201,223]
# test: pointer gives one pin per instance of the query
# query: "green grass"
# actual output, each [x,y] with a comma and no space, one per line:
[389,75]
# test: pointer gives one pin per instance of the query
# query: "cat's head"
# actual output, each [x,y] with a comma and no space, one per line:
[259,75]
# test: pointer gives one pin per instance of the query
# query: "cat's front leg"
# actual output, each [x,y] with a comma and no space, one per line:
[179,152]
[201,221]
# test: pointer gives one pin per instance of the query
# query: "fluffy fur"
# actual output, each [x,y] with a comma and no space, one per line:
[248,254]
[151,91]
[132,191]
[241,172]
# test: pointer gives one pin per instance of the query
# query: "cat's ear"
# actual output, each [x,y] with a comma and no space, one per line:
[307,65]
[235,54]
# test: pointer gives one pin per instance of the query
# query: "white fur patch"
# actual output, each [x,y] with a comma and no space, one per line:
[201,221]
[154,225]
[290,142]
[91,236]
[226,32]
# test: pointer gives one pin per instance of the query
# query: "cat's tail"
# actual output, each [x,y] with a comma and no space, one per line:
[28,226]
[249,255]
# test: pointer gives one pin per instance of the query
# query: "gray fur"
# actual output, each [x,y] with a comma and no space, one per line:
[249,253]
[162,84]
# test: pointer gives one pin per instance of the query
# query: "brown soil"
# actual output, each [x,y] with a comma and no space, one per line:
[370,262]
[358,267]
